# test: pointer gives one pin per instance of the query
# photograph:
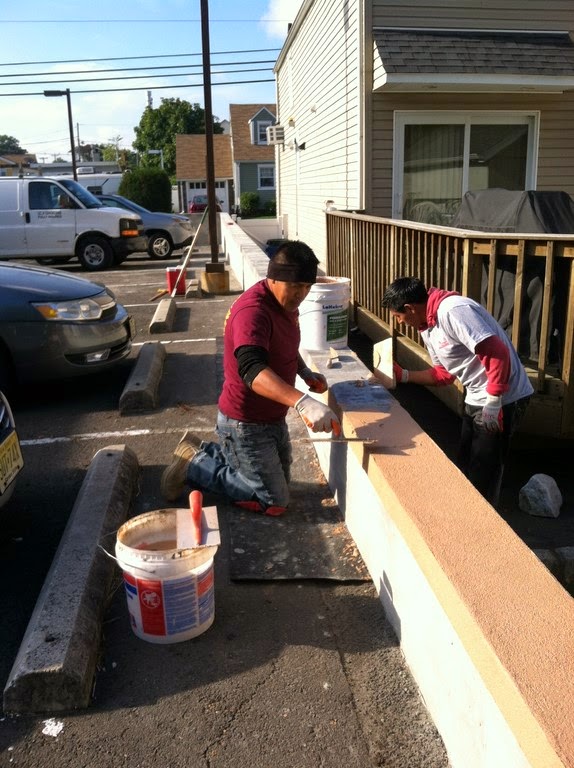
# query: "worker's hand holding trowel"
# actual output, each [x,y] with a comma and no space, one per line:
[315,381]
[318,416]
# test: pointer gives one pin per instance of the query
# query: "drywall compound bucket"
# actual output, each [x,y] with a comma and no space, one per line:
[324,315]
[170,591]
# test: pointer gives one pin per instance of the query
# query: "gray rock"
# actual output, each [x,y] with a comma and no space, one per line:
[540,496]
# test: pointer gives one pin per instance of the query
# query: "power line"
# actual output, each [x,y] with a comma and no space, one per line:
[142,88]
[141,21]
[63,74]
[139,77]
[132,58]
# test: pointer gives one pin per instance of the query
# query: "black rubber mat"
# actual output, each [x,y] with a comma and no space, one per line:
[310,541]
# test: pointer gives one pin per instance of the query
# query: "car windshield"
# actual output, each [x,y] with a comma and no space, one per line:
[128,203]
[85,197]
[200,199]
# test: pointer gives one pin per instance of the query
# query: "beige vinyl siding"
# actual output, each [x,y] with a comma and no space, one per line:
[555,170]
[319,89]
[475,14]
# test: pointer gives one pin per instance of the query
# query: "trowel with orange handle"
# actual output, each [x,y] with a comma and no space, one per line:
[197,526]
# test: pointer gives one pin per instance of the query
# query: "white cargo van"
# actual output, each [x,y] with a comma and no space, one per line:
[98,183]
[55,219]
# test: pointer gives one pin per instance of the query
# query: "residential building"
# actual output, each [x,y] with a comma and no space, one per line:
[244,161]
[253,158]
[397,108]
[191,168]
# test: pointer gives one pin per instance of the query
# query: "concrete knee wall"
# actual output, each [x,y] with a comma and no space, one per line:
[487,631]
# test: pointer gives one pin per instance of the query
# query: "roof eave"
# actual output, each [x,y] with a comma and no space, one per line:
[472,83]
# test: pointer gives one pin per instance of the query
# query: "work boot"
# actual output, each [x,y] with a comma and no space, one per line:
[173,479]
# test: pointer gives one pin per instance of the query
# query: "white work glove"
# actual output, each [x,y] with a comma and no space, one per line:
[317,416]
[401,374]
[315,381]
[492,414]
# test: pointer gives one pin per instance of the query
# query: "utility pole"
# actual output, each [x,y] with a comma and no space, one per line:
[211,199]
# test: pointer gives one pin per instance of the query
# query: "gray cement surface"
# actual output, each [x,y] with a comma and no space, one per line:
[292,674]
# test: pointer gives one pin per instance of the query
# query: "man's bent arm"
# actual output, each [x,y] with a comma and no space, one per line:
[268,384]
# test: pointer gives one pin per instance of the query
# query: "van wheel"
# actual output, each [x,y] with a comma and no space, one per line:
[159,246]
[47,261]
[95,253]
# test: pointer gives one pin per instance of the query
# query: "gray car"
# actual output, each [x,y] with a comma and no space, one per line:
[164,231]
[54,325]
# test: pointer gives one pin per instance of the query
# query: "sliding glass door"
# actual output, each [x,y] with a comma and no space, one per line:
[439,156]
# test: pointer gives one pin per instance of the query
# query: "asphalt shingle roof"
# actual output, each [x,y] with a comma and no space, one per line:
[410,51]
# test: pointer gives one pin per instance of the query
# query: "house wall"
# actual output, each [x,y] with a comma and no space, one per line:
[555,169]
[475,14]
[249,181]
[319,96]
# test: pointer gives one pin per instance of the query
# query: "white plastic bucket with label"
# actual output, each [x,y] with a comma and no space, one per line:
[324,315]
[169,591]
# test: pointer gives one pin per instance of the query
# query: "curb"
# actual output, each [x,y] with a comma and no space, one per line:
[141,390]
[56,662]
[164,315]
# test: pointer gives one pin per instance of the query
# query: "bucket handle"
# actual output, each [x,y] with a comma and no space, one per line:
[136,567]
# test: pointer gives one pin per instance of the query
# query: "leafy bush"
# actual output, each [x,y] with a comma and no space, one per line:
[249,203]
[150,187]
[270,208]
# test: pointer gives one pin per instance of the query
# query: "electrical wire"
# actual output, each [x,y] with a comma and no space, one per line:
[133,58]
[60,75]
[143,88]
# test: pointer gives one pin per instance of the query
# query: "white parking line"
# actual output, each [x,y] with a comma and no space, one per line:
[179,302]
[108,435]
[174,341]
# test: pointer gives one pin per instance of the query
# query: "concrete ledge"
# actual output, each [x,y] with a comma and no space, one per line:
[164,315]
[141,390]
[55,666]
[487,631]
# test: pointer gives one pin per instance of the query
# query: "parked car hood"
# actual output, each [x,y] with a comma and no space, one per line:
[29,283]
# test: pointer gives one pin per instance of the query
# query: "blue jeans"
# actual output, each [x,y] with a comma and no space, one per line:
[251,462]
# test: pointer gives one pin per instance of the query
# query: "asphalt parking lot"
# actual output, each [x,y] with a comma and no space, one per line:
[293,673]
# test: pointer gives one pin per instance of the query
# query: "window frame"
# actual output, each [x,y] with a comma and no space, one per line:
[260,132]
[402,118]
[260,167]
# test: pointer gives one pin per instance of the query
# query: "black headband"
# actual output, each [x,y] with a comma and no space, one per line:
[292,273]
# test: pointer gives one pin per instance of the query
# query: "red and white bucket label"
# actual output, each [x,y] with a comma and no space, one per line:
[170,606]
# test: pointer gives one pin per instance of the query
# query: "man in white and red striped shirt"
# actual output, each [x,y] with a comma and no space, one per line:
[466,343]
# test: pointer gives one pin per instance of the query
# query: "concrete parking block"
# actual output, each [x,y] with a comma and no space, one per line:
[162,321]
[55,666]
[141,390]
[193,289]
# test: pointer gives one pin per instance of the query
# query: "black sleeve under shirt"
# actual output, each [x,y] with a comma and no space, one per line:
[251,360]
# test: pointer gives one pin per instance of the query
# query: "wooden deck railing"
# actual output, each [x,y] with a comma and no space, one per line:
[525,281]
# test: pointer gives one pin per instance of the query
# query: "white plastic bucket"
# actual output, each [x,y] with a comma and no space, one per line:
[324,315]
[169,591]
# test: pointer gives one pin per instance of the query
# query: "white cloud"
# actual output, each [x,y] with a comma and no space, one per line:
[277,17]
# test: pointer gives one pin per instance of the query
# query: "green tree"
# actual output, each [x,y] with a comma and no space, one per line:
[149,187]
[158,128]
[11,146]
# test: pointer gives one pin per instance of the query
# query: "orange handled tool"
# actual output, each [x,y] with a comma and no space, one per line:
[196,506]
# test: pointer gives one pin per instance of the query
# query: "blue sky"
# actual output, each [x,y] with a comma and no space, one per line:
[43,43]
